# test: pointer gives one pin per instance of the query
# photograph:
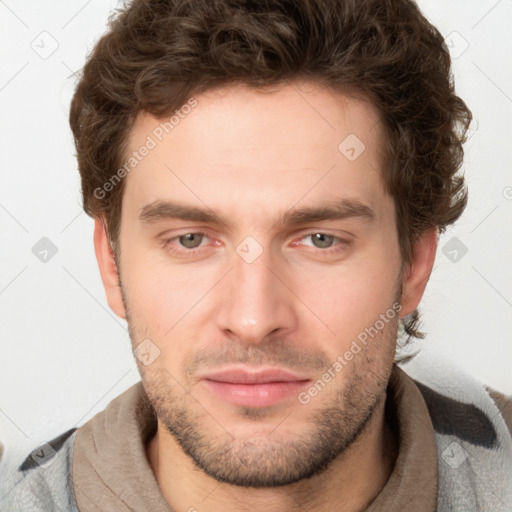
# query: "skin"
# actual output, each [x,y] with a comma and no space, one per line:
[251,156]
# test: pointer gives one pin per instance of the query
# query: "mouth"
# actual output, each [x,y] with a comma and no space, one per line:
[261,388]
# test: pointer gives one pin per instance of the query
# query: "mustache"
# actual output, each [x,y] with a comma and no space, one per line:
[272,353]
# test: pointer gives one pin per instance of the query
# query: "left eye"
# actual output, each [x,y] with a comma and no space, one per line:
[323,240]
[191,240]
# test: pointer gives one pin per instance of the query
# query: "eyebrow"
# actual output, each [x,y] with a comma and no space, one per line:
[342,209]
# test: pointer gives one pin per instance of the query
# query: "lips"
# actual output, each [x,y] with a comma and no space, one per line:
[240,376]
[254,388]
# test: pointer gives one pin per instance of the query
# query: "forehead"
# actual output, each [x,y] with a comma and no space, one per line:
[241,144]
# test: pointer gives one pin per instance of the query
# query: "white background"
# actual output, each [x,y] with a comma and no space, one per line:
[64,355]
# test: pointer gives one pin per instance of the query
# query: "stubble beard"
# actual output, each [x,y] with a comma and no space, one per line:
[272,460]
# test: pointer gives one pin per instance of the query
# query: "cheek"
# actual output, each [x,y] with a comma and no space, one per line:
[162,296]
[164,300]
[352,296]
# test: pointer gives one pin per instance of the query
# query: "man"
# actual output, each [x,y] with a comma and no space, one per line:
[268,182]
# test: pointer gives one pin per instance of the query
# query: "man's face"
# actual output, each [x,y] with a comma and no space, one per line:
[251,295]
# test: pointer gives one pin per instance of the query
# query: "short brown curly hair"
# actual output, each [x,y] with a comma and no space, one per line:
[158,53]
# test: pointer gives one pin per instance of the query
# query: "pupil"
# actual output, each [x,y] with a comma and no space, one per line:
[189,239]
[323,239]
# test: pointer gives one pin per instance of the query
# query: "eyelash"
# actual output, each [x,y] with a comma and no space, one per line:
[166,243]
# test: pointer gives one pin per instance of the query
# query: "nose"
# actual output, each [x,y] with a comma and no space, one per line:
[256,300]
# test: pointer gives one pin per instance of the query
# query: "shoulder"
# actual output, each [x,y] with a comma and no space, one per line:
[474,444]
[461,405]
[43,479]
[504,404]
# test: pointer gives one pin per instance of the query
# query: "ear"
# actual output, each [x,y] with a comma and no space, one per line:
[108,268]
[418,271]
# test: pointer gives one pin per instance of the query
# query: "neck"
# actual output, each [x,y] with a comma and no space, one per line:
[349,484]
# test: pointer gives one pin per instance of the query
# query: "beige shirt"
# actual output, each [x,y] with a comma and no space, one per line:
[111,471]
